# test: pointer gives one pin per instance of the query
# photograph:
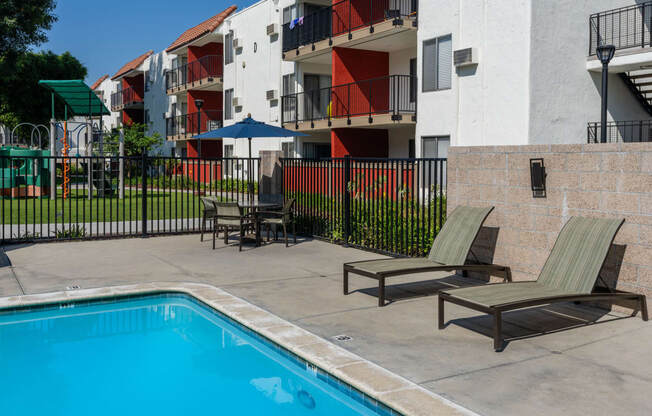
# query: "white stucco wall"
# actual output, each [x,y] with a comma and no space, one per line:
[564,96]
[157,102]
[487,103]
[252,73]
[108,87]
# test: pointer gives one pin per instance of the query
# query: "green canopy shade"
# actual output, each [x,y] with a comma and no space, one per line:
[79,98]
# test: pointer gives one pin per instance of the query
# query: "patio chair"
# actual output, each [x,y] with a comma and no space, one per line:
[448,253]
[231,216]
[208,213]
[277,219]
[568,275]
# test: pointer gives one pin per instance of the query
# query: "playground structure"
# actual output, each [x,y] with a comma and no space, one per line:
[24,172]
[29,169]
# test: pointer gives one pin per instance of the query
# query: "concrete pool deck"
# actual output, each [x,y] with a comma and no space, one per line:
[602,366]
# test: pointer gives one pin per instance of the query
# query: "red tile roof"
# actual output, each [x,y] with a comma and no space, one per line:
[131,65]
[201,29]
[97,83]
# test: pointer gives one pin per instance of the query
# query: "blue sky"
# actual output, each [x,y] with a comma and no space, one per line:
[106,35]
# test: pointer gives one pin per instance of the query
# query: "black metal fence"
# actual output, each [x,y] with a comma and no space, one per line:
[394,95]
[621,131]
[387,205]
[625,27]
[103,197]
[343,17]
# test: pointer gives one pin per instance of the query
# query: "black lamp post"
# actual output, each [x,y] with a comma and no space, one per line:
[605,54]
[199,103]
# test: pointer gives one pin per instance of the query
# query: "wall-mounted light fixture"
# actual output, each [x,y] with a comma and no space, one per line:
[538,178]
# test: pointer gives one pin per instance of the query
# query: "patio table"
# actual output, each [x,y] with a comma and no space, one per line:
[253,206]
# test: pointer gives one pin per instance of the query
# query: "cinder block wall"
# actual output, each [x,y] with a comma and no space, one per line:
[600,180]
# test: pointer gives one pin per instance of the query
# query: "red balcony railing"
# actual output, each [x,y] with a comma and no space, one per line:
[208,66]
[126,96]
[193,123]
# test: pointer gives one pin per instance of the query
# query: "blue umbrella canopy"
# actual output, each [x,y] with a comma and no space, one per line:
[248,128]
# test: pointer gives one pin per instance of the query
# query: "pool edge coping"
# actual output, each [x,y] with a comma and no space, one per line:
[392,390]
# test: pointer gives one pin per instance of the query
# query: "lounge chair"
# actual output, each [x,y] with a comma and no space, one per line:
[568,275]
[448,253]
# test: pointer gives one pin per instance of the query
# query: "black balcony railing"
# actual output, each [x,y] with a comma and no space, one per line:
[394,94]
[205,67]
[344,17]
[125,97]
[625,27]
[621,131]
[187,124]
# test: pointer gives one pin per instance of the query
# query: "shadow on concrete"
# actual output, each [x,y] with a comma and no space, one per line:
[420,289]
[538,321]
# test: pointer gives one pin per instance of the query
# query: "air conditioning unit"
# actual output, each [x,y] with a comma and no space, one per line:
[237,43]
[465,57]
[237,101]
[271,95]
[272,29]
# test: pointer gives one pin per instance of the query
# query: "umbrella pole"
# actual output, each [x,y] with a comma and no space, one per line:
[250,184]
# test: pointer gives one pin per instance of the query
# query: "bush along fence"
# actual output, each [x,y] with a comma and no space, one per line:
[48,198]
[394,206]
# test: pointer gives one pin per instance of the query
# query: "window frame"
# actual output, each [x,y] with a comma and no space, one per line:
[436,41]
[228,104]
[228,48]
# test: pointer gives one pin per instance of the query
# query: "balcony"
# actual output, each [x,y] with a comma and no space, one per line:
[184,126]
[379,102]
[351,23]
[621,132]
[203,74]
[125,99]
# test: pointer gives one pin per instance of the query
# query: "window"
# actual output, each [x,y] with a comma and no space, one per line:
[289,13]
[228,48]
[413,80]
[435,147]
[147,82]
[316,151]
[228,151]
[228,104]
[437,63]
[289,84]
[146,117]
[288,149]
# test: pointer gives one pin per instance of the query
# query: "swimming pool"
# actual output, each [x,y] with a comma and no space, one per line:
[163,354]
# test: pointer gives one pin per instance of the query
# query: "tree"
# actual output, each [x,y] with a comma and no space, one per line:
[21,98]
[135,140]
[23,24]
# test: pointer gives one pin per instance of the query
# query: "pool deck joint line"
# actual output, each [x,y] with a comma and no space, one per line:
[388,388]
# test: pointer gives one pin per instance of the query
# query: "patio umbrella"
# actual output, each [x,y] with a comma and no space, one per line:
[248,128]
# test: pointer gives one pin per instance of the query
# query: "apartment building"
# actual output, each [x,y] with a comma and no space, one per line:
[103,87]
[396,78]
[354,90]
[195,85]
[253,69]
[515,73]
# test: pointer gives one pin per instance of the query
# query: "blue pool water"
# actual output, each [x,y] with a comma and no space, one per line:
[162,355]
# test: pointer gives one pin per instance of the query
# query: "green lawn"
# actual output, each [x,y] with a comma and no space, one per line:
[160,205]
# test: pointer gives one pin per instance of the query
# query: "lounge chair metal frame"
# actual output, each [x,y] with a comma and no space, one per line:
[491,269]
[497,310]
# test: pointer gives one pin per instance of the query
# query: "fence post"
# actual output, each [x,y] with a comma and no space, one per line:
[143,166]
[347,198]
[53,158]
[121,165]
